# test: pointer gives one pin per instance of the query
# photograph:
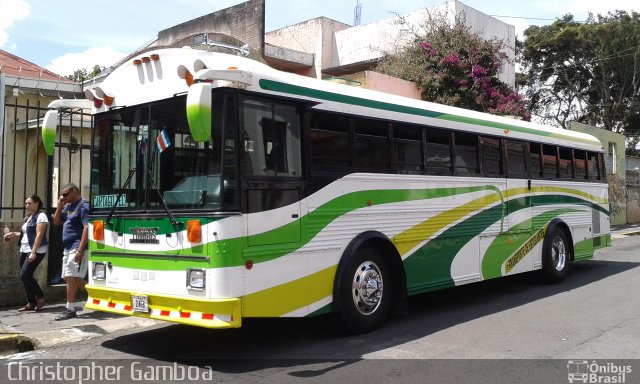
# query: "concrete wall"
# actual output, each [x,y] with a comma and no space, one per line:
[312,36]
[244,22]
[489,27]
[615,164]
[371,41]
[633,197]
[381,82]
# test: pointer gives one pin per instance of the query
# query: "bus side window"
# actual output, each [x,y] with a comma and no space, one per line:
[602,168]
[466,154]
[550,161]
[580,164]
[371,145]
[491,157]
[407,149]
[566,163]
[329,141]
[592,166]
[438,152]
[517,160]
[535,155]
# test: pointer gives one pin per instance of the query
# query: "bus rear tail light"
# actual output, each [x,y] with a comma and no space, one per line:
[98,230]
[194,231]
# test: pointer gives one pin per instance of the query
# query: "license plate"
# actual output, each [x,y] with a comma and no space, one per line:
[140,303]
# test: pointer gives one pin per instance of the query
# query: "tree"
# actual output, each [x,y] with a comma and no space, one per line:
[587,72]
[454,66]
[81,75]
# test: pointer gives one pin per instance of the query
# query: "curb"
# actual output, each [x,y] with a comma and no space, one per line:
[15,343]
[18,342]
[622,235]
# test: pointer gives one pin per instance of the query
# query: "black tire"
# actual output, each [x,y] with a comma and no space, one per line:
[364,293]
[556,255]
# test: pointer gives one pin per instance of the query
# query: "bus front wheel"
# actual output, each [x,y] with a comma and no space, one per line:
[556,253]
[365,290]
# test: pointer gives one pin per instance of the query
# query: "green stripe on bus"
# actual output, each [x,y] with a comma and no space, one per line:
[429,267]
[158,262]
[316,221]
[505,246]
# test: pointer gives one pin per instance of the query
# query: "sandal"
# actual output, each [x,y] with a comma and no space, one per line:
[39,304]
[27,307]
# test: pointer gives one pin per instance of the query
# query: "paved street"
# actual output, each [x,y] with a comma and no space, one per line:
[592,315]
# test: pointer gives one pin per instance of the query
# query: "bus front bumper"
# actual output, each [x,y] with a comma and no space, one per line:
[208,313]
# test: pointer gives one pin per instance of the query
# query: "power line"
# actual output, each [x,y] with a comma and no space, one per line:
[615,55]
[535,18]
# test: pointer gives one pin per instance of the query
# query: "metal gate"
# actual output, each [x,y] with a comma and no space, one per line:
[26,169]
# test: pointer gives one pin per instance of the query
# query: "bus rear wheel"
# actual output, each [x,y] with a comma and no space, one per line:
[556,253]
[365,291]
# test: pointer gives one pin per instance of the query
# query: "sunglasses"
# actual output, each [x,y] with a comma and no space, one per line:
[66,193]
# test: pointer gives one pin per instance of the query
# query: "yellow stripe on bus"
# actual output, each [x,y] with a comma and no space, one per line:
[547,188]
[288,297]
[410,238]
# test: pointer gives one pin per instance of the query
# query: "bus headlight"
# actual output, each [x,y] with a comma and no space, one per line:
[99,271]
[196,278]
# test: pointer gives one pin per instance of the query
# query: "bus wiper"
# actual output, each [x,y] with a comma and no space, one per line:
[122,189]
[164,203]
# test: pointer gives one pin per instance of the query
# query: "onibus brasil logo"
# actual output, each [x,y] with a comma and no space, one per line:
[584,371]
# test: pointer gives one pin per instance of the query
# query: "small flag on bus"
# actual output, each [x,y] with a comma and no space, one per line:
[163,141]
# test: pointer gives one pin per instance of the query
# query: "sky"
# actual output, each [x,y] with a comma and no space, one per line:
[65,35]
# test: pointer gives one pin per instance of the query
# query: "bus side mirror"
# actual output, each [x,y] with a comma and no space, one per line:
[199,111]
[49,126]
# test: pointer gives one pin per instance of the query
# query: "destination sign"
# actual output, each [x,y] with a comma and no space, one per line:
[108,201]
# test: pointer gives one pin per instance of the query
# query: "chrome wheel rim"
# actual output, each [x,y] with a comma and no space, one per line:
[367,288]
[558,253]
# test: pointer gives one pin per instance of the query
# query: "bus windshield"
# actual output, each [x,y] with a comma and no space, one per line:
[151,147]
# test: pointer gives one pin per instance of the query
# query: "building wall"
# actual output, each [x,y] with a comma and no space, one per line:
[244,22]
[615,164]
[633,196]
[371,41]
[381,82]
[489,27]
[314,36]
[24,161]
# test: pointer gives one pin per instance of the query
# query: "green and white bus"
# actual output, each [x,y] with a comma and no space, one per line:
[223,189]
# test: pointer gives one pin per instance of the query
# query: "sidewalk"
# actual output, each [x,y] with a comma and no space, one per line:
[622,231]
[26,331]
